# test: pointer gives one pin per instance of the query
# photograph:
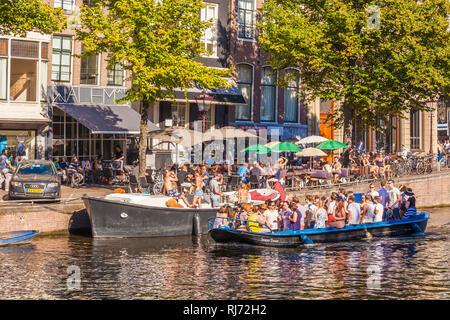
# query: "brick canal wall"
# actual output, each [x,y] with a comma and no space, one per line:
[45,218]
[430,190]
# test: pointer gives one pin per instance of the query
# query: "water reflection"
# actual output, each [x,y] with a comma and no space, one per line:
[198,268]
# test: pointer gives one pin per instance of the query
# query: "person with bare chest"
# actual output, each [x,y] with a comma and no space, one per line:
[169,180]
[198,193]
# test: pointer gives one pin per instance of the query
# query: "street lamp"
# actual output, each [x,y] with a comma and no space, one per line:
[204,102]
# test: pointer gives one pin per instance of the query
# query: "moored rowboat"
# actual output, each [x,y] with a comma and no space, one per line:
[403,227]
[17,237]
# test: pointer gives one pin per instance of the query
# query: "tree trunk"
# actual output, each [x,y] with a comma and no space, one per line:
[348,124]
[143,134]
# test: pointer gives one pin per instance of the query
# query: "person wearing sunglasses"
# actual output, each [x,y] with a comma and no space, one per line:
[372,191]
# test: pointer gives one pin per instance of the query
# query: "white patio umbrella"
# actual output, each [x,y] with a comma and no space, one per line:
[312,139]
[311,152]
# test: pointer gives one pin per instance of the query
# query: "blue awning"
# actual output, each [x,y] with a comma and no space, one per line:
[106,119]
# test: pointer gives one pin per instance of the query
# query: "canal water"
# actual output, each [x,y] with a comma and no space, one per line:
[75,267]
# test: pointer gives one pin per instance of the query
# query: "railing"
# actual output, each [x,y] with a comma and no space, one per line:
[220,225]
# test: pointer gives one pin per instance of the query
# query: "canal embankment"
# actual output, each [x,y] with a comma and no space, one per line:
[69,215]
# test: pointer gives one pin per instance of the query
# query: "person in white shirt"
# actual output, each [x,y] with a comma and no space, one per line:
[372,192]
[353,211]
[378,210]
[271,215]
[394,200]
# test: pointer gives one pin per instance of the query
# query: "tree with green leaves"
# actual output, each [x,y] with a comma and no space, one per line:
[379,58]
[17,17]
[158,42]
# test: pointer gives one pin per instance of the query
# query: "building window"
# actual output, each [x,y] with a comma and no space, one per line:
[3,77]
[115,75]
[25,49]
[89,68]
[415,129]
[175,112]
[24,65]
[291,100]
[3,68]
[61,58]
[246,19]
[245,84]
[268,95]
[66,5]
[89,3]
[72,138]
[209,39]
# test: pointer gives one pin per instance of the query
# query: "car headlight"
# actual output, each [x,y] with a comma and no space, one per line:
[52,185]
[16,184]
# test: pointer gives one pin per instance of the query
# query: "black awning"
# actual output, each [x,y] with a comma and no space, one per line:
[106,119]
[230,96]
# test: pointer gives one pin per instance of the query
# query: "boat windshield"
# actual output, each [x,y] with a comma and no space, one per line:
[36,168]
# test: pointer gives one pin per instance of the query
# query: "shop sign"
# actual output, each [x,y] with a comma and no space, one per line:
[84,94]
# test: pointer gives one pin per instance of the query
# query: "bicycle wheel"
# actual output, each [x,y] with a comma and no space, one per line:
[429,167]
[157,187]
[420,168]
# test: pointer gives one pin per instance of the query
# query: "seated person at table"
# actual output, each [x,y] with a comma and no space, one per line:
[257,172]
[63,164]
[88,171]
[243,172]
[326,166]
[336,169]
[75,171]
[169,180]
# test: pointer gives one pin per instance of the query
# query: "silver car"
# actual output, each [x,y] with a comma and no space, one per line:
[35,179]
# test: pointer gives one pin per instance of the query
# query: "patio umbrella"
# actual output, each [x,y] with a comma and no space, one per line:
[331,145]
[285,147]
[257,148]
[312,139]
[311,152]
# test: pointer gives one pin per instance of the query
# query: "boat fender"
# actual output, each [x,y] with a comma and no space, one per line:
[196,229]
[123,215]
[306,239]
[417,229]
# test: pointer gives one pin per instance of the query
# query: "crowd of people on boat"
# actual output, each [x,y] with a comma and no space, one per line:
[338,210]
